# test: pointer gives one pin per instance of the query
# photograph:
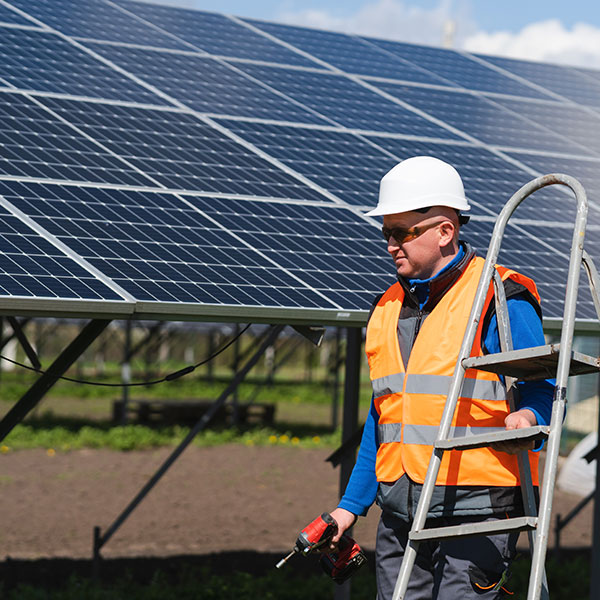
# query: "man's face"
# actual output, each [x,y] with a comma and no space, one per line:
[419,255]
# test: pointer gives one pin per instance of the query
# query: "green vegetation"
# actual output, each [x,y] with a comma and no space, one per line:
[568,580]
[70,434]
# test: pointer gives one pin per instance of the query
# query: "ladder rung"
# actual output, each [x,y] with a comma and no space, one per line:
[539,362]
[480,440]
[485,528]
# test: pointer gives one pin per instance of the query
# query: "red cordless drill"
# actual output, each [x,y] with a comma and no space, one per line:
[339,564]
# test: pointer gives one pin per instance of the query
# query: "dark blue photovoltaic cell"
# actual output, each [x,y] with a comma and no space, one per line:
[216,34]
[482,119]
[455,68]
[586,171]
[331,249]
[489,180]
[205,84]
[34,143]
[96,19]
[179,151]
[574,123]
[532,251]
[35,60]
[158,248]
[565,81]
[346,102]
[349,53]
[10,16]
[340,162]
[30,266]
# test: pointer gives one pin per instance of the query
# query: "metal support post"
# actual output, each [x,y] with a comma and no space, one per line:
[100,540]
[36,392]
[126,374]
[27,347]
[595,566]
[335,404]
[349,422]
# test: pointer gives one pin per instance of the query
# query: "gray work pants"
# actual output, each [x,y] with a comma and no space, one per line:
[456,569]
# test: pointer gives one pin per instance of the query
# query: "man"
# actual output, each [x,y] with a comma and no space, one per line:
[413,338]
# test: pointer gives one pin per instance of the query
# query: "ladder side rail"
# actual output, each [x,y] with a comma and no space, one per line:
[560,391]
[506,345]
[594,280]
[457,379]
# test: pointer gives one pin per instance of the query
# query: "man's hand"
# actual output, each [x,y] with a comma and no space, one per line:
[517,420]
[344,519]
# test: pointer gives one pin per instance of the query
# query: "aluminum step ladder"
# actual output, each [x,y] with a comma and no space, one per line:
[554,360]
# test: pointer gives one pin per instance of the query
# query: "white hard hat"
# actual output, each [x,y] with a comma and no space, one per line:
[419,182]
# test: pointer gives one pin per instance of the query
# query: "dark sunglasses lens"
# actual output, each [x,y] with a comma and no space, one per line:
[398,234]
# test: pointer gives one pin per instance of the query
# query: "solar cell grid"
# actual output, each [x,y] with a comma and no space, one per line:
[565,81]
[215,33]
[30,266]
[33,143]
[568,120]
[41,61]
[205,84]
[12,17]
[180,151]
[481,119]
[346,102]
[150,235]
[336,252]
[95,19]
[340,162]
[350,54]
[457,69]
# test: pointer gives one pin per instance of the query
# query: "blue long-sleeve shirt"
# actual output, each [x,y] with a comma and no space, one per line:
[526,330]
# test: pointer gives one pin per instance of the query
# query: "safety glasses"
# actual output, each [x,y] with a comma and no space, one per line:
[401,235]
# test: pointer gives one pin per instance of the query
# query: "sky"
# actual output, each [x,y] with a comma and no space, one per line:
[547,30]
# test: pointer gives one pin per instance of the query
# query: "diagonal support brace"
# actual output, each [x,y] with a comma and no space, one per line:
[37,391]
[100,540]
[27,347]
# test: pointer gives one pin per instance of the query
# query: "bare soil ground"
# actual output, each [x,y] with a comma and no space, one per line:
[243,504]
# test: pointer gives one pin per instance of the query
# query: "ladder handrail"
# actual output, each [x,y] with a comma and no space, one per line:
[467,344]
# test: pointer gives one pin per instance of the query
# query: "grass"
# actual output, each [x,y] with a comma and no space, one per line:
[568,580]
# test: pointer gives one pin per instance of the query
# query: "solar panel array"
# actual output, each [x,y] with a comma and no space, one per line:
[179,164]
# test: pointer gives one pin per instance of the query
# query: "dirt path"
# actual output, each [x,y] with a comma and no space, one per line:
[228,498]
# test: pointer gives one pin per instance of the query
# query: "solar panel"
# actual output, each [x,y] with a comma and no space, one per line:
[44,62]
[340,162]
[36,144]
[346,102]
[177,150]
[458,69]
[183,163]
[31,267]
[350,54]
[482,119]
[215,34]
[564,81]
[205,84]
[98,20]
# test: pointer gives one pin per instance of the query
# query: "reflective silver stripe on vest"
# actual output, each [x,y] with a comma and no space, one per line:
[480,389]
[390,384]
[390,432]
[425,435]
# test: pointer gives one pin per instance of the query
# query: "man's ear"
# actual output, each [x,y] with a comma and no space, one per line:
[446,229]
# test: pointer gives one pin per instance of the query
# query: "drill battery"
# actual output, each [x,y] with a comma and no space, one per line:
[342,563]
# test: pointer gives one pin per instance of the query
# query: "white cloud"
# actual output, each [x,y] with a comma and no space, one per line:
[548,41]
[391,19]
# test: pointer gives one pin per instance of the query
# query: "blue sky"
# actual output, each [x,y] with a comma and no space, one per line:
[550,30]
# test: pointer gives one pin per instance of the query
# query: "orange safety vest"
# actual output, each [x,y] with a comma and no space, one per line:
[410,402]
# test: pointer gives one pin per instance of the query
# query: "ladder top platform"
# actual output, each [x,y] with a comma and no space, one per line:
[539,362]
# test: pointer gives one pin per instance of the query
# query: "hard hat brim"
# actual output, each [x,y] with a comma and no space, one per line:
[456,202]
